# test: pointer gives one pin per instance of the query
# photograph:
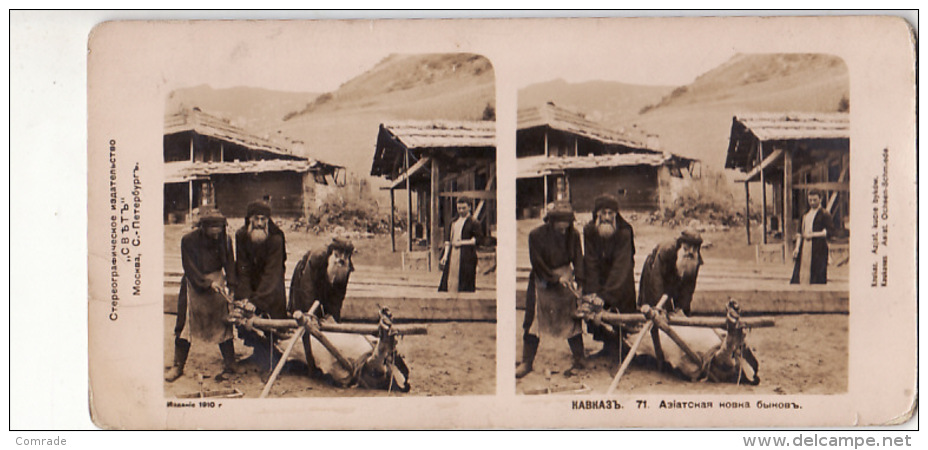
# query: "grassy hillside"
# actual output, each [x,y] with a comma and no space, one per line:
[247,107]
[601,101]
[695,120]
[340,127]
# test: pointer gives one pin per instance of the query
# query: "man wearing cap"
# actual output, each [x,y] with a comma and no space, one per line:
[671,269]
[260,250]
[321,275]
[557,264]
[609,262]
[203,306]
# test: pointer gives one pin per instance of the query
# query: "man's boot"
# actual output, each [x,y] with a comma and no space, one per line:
[610,348]
[229,367]
[577,355]
[181,350]
[529,348]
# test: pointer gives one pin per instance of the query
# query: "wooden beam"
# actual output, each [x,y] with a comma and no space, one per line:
[770,159]
[392,222]
[747,210]
[408,201]
[763,195]
[788,203]
[696,321]
[404,177]
[841,178]
[435,240]
[489,190]
[825,186]
[484,195]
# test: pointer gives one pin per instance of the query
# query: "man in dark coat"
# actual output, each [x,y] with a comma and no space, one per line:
[811,252]
[261,251]
[672,269]
[609,263]
[202,310]
[321,275]
[550,306]
[459,260]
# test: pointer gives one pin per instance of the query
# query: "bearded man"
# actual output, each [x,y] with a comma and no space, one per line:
[202,310]
[261,251]
[609,262]
[321,275]
[671,269]
[550,306]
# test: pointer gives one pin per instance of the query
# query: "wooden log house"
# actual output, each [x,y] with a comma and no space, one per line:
[561,155]
[209,161]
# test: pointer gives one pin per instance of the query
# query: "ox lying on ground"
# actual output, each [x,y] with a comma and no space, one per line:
[698,349]
[724,357]
[374,365]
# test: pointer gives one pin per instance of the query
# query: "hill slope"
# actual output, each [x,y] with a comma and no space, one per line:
[695,120]
[246,107]
[601,101]
[340,127]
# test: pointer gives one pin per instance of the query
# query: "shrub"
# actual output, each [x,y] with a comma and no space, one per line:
[352,214]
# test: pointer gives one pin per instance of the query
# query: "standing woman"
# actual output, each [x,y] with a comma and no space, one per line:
[811,252]
[459,258]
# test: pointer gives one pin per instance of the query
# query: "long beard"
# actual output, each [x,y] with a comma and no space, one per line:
[337,275]
[605,228]
[257,235]
[686,267]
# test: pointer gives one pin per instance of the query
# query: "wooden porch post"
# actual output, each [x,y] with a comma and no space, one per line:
[747,209]
[392,222]
[408,200]
[763,192]
[544,178]
[190,200]
[435,240]
[788,202]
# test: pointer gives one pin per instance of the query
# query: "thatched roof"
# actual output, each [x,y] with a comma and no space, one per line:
[423,136]
[748,130]
[536,166]
[440,134]
[208,125]
[571,122]
[175,172]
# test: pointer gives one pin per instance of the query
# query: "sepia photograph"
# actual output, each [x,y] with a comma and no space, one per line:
[589,223]
[335,243]
[690,233]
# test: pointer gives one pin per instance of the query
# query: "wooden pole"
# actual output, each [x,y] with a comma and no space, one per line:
[283,358]
[788,202]
[354,328]
[747,209]
[763,193]
[631,353]
[544,200]
[408,201]
[392,222]
[190,200]
[703,322]
[435,239]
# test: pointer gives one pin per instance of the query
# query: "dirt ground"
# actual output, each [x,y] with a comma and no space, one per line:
[802,354]
[454,358]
